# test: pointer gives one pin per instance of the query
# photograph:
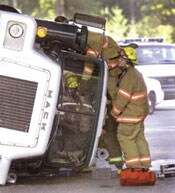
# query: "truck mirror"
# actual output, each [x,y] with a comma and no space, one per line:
[89,20]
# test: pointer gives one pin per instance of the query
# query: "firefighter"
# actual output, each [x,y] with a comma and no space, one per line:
[129,109]
[71,80]
[108,51]
[71,87]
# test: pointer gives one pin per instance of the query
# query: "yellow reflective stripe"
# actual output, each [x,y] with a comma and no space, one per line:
[116,159]
[145,159]
[106,42]
[112,64]
[88,70]
[124,93]
[126,119]
[139,96]
[133,97]
[92,53]
[85,77]
[117,111]
[130,161]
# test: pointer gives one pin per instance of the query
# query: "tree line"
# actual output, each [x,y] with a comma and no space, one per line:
[126,18]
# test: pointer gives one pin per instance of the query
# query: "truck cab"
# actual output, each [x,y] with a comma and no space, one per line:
[47,126]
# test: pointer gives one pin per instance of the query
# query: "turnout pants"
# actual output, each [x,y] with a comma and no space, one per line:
[111,142]
[134,145]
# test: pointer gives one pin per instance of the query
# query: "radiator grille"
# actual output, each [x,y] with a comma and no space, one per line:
[16,103]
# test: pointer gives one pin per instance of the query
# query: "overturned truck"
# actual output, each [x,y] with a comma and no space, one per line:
[47,123]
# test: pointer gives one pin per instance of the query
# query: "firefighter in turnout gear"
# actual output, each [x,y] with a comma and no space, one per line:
[129,109]
[71,87]
[109,52]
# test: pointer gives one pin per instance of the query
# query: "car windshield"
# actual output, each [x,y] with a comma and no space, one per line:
[148,55]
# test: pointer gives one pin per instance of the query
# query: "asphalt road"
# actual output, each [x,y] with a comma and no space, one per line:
[84,183]
[160,133]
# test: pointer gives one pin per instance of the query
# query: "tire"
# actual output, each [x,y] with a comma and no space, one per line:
[151,102]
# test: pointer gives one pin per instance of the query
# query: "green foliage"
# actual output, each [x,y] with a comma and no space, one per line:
[25,6]
[81,6]
[116,25]
[126,18]
[46,9]
[152,27]
[157,19]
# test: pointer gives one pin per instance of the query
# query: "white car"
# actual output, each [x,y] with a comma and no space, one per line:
[155,93]
[156,59]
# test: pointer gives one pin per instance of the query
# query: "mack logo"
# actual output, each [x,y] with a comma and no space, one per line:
[50,93]
[46,113]
[47,104]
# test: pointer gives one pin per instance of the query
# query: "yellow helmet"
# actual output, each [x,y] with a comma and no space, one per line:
[131,54]
[71,81]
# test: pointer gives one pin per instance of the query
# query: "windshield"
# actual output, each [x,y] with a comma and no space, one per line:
[79,108]
[156,54]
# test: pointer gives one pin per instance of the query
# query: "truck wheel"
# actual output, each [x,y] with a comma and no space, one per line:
[151,102]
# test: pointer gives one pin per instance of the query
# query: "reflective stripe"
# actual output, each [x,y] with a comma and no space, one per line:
[116,159]
[112,65]
[92,53]
[133,97]
[85,78]
[117,111]
[88,70]
[145,159]
[131,161]
[137,160]
[124,93]
[139,96]
[126,119]
[106,42]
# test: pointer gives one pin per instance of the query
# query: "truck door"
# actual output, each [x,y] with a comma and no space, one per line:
[81,109]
